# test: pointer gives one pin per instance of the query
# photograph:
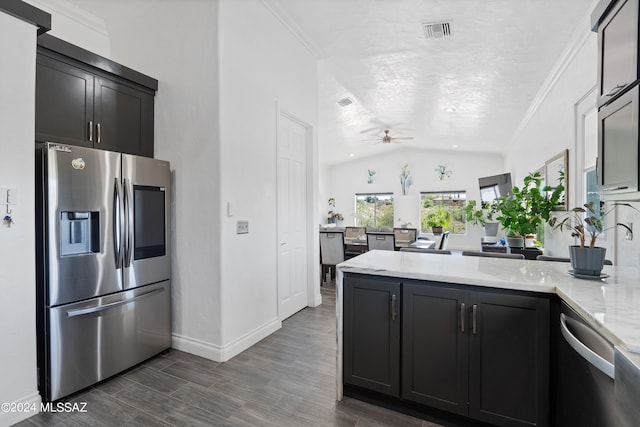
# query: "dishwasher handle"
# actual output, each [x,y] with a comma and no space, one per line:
[589,355]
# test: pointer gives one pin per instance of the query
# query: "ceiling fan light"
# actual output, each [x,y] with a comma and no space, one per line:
[449,110]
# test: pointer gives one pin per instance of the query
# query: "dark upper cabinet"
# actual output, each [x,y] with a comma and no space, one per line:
[617,164]
[78,105]
[618,146]
[372,334]
[618,50]
[124,118]
[509,359]
[64,102]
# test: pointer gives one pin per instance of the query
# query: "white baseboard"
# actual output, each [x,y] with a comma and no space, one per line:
[223,353]
[317,299]
[11,418]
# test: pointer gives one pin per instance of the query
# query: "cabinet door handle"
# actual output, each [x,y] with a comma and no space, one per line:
[615,90]
[462,310]
[98,133]
[622,187]
[90,130]
[393,307]
[475,313]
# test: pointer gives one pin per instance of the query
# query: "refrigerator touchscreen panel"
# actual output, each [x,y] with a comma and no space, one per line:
[148,207]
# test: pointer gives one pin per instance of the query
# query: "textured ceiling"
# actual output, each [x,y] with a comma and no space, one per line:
[375,52]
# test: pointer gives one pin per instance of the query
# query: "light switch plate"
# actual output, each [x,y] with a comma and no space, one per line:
[242,227]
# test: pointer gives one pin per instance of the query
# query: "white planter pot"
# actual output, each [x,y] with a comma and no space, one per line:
[491,229]
[515,242]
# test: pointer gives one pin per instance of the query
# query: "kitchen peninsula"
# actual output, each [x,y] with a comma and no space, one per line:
[476,328]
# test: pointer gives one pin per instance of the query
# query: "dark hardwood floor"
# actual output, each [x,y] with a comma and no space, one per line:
[287,379]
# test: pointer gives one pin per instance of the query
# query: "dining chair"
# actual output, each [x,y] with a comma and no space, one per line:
[492,255]
[385,242]
[443,242]
[354,241]
[405,236]
[354,232]
[331,251]
[562,259]
[426,251]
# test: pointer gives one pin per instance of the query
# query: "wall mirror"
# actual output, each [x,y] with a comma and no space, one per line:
[556,169]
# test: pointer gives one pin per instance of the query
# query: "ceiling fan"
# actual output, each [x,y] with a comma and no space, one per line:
[386,139]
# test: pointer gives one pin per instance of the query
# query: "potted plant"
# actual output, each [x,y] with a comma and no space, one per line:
[482,216]
[522,212]
[586,223]
[333,217]
[438,219]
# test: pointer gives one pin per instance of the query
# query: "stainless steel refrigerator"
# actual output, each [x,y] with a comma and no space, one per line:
[103,264]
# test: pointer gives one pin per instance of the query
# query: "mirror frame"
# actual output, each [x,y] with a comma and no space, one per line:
[558,162]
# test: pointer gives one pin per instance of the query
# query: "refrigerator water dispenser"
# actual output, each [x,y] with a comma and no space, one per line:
[79,233]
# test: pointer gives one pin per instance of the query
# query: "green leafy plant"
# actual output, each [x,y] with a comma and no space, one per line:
[439,217]
[522,212]
[587,223]
[335,215]
[480,216]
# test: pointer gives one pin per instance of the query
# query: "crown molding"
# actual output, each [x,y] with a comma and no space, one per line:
[76,14]
[285,19]
[580,36]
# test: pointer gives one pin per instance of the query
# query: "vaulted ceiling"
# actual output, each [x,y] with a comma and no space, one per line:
[375,53]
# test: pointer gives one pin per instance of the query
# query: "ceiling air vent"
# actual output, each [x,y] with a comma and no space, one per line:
[437,30]
[345,101]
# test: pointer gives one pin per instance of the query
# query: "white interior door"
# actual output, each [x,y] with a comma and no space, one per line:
[292,215]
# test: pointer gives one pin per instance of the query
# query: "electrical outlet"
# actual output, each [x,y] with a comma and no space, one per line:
[242,227]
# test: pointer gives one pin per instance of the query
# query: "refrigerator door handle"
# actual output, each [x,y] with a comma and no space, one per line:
[99,308]
[128,214]
[117,225]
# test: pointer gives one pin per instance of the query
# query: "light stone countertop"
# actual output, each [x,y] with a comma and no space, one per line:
[611,305]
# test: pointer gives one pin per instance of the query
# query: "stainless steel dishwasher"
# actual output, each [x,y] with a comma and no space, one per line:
[585,374]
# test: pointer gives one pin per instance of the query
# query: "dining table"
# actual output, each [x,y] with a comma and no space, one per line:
[423,244]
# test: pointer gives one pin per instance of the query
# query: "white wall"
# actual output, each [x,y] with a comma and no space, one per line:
[347,179]
[185,62]
[550,127]
[18,381]
[75,25]
[220,80]
[261,64]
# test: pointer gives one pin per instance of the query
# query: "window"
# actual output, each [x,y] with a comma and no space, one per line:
[451,202]
[374,210]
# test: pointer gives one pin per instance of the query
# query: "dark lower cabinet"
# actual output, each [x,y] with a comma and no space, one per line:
[435,347]
[372,334]
[482,354]
[509,359]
